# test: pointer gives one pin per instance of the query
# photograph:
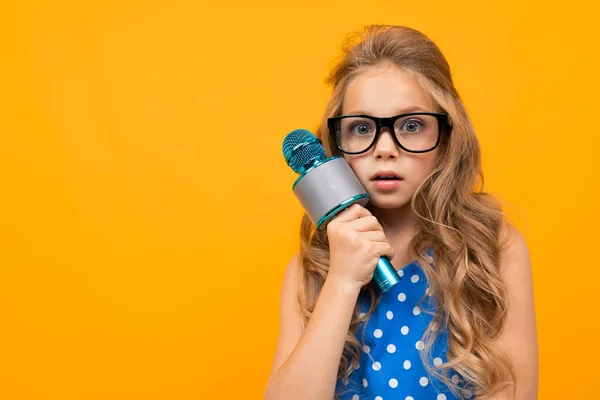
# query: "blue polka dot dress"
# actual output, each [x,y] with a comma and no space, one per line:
[390,365]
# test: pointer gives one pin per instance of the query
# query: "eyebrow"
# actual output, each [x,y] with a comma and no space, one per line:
[398,111]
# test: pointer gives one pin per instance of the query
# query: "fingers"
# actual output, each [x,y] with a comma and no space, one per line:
[385,249]
[353,212]
[376,236]
[365,224]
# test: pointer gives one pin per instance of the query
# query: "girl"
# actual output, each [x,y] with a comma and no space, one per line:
[461,322]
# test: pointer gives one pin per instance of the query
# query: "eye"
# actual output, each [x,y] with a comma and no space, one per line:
[412,126]
[361,128]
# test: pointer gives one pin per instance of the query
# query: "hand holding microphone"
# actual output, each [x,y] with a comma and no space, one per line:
[326,188]
[356,243]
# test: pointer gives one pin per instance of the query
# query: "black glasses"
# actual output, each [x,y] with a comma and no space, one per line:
[417,132]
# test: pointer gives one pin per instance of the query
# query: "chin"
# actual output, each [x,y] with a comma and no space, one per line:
[388,202]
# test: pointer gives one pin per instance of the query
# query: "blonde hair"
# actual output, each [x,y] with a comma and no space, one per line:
[455,218]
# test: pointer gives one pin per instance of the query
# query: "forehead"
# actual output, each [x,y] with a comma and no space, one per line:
[385,91]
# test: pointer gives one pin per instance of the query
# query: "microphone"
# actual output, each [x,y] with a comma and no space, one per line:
[326,187]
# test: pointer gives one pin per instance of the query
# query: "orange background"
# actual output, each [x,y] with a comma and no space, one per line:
[146,209]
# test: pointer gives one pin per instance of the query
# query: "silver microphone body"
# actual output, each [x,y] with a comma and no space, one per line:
[328,187]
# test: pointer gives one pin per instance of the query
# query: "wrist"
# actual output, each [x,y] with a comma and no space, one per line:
[344,287]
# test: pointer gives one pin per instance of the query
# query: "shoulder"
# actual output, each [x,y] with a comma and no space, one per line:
[293,268]
[515,266]
[292,279]
[290,321]
[291,289]
[519,334]
[515,259]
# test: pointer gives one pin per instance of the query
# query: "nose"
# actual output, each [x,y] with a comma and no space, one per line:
[386,146]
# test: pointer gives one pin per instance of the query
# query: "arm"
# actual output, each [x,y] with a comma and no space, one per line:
[519,338]
[306,363]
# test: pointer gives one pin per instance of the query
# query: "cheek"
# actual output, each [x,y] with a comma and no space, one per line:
[420,167]
[352,162]
[360,170]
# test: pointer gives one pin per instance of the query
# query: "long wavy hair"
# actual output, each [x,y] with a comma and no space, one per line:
[455,218]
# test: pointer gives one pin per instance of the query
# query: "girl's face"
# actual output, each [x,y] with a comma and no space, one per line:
[385,92]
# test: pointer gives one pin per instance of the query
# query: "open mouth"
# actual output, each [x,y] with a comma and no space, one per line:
[383,175]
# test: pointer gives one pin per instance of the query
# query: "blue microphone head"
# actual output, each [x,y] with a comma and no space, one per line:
[302,149]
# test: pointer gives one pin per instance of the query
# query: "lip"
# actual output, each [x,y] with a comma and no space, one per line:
[386,184]
[385,173]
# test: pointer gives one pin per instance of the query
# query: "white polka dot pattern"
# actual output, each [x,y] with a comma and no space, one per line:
[390,362]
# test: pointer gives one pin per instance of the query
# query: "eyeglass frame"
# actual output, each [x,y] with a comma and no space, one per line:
[388,122]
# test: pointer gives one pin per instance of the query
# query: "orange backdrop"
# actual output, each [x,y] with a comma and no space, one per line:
[146,209]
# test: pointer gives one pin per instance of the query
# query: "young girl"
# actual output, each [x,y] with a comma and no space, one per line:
[461,322]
